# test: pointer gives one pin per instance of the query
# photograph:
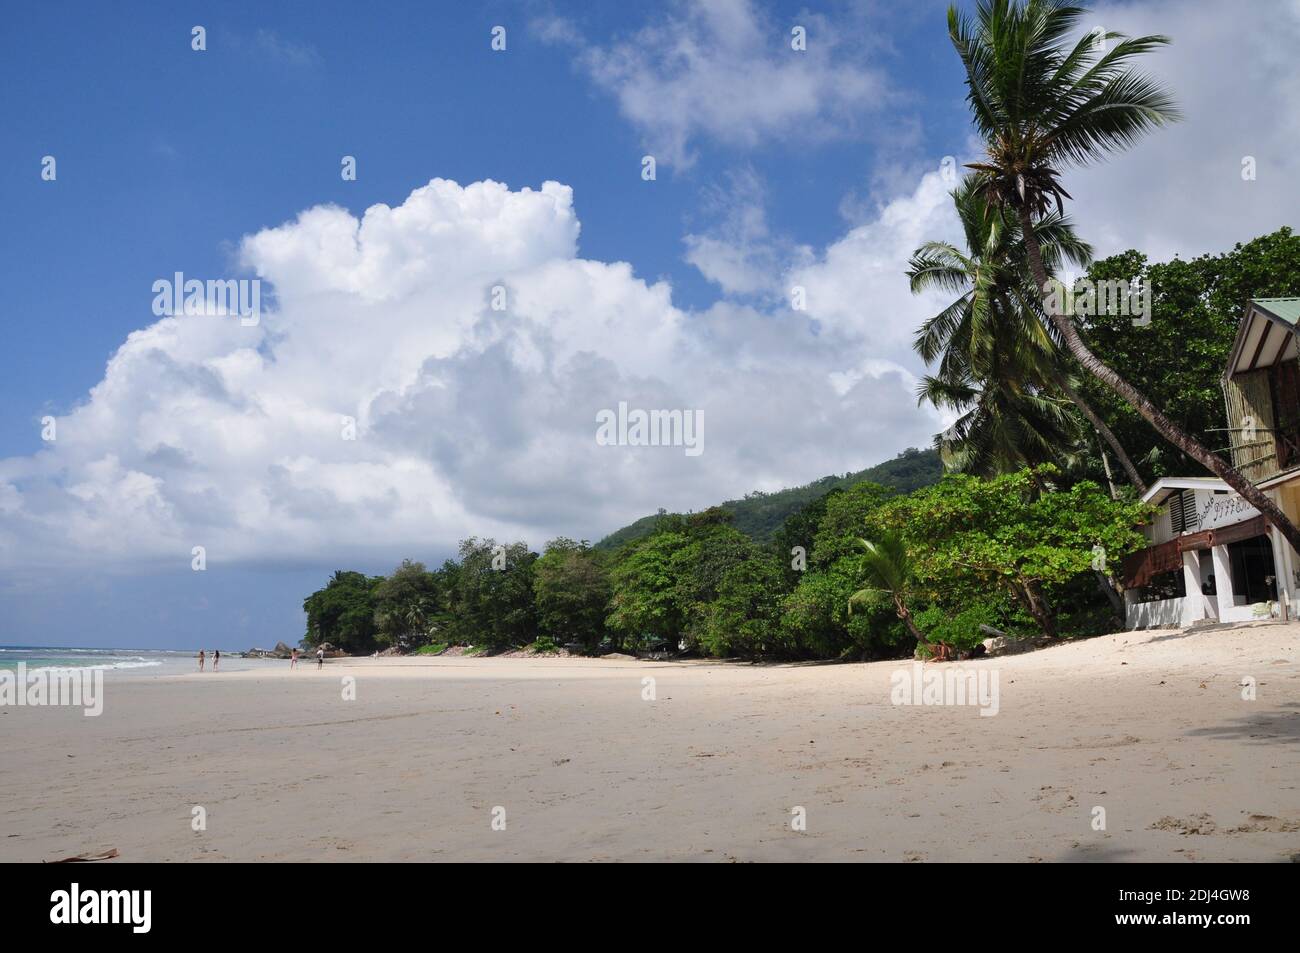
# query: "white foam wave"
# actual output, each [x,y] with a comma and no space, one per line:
[133,663]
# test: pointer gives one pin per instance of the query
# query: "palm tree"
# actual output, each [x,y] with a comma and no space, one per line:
[890,570]
[995,320]
[416,616]
[1041,105]
[1003,426]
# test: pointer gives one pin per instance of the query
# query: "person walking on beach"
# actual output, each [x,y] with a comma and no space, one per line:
[201,658]
[216,658]
[293,658]
[320,658]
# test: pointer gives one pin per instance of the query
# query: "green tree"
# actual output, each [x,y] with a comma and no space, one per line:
[572,587]
[815,617]
[645,601]
[712,548]
[406,605]
[493,603]
[960,627]
[744,616]
[1041,105]
[846,515]
[1196,307]
[799,530]
[997,364]
[343,613]
[1020,533]
[889,569]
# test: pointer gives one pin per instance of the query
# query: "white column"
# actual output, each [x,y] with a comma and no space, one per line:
[1222,581]
[1193,602]
[1279,565]
[1286,567]
[1286,574]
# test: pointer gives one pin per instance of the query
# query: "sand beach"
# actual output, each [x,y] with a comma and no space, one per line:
[549,759]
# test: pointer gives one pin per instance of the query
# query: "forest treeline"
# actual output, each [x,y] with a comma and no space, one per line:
[1015,551]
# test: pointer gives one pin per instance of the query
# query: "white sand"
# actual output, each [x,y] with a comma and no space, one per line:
[1150,726]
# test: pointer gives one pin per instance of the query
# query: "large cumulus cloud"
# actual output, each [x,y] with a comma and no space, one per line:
[468,419]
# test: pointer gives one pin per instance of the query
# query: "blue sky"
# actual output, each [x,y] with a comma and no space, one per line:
[772,171]
[176,154]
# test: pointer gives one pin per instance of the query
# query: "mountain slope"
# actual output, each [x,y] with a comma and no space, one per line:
[760,515]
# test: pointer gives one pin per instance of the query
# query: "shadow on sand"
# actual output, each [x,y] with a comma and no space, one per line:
[1272,727]
[1095,854]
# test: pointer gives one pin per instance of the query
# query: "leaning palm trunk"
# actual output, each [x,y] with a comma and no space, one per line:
[1101,428]
[1166,427]
[905,614]
[1116,600]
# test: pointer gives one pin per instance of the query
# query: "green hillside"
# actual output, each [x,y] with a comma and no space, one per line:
[760,515]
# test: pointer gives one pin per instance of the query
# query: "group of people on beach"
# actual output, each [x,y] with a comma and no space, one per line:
[320,658]
[293,658]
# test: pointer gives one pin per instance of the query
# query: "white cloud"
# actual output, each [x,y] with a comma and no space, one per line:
[269,46]
[1235,75]
[470,421]
[738,252]
[858,287]
[726,70]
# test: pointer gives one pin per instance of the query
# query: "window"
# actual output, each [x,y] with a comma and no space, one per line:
[1167,585]
[1182,511]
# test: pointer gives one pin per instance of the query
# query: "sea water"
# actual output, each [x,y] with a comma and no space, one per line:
[122,661]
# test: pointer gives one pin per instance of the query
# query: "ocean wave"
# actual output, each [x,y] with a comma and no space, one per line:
[127,663]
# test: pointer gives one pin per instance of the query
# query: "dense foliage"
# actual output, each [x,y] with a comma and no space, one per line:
[572,588]
[1015,552]
[343,613]
[1196,308]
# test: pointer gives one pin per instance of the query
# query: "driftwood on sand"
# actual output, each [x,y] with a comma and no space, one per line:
[86,858]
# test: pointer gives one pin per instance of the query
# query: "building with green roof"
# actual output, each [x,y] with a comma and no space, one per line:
[1212,555]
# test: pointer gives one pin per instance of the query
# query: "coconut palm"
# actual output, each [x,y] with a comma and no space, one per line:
[1003,426]
[1042,104]
[996,318]
[416,615]
[889,570]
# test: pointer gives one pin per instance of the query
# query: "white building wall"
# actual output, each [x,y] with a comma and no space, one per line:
[1165,614]
[1215,511]
[1170,613]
